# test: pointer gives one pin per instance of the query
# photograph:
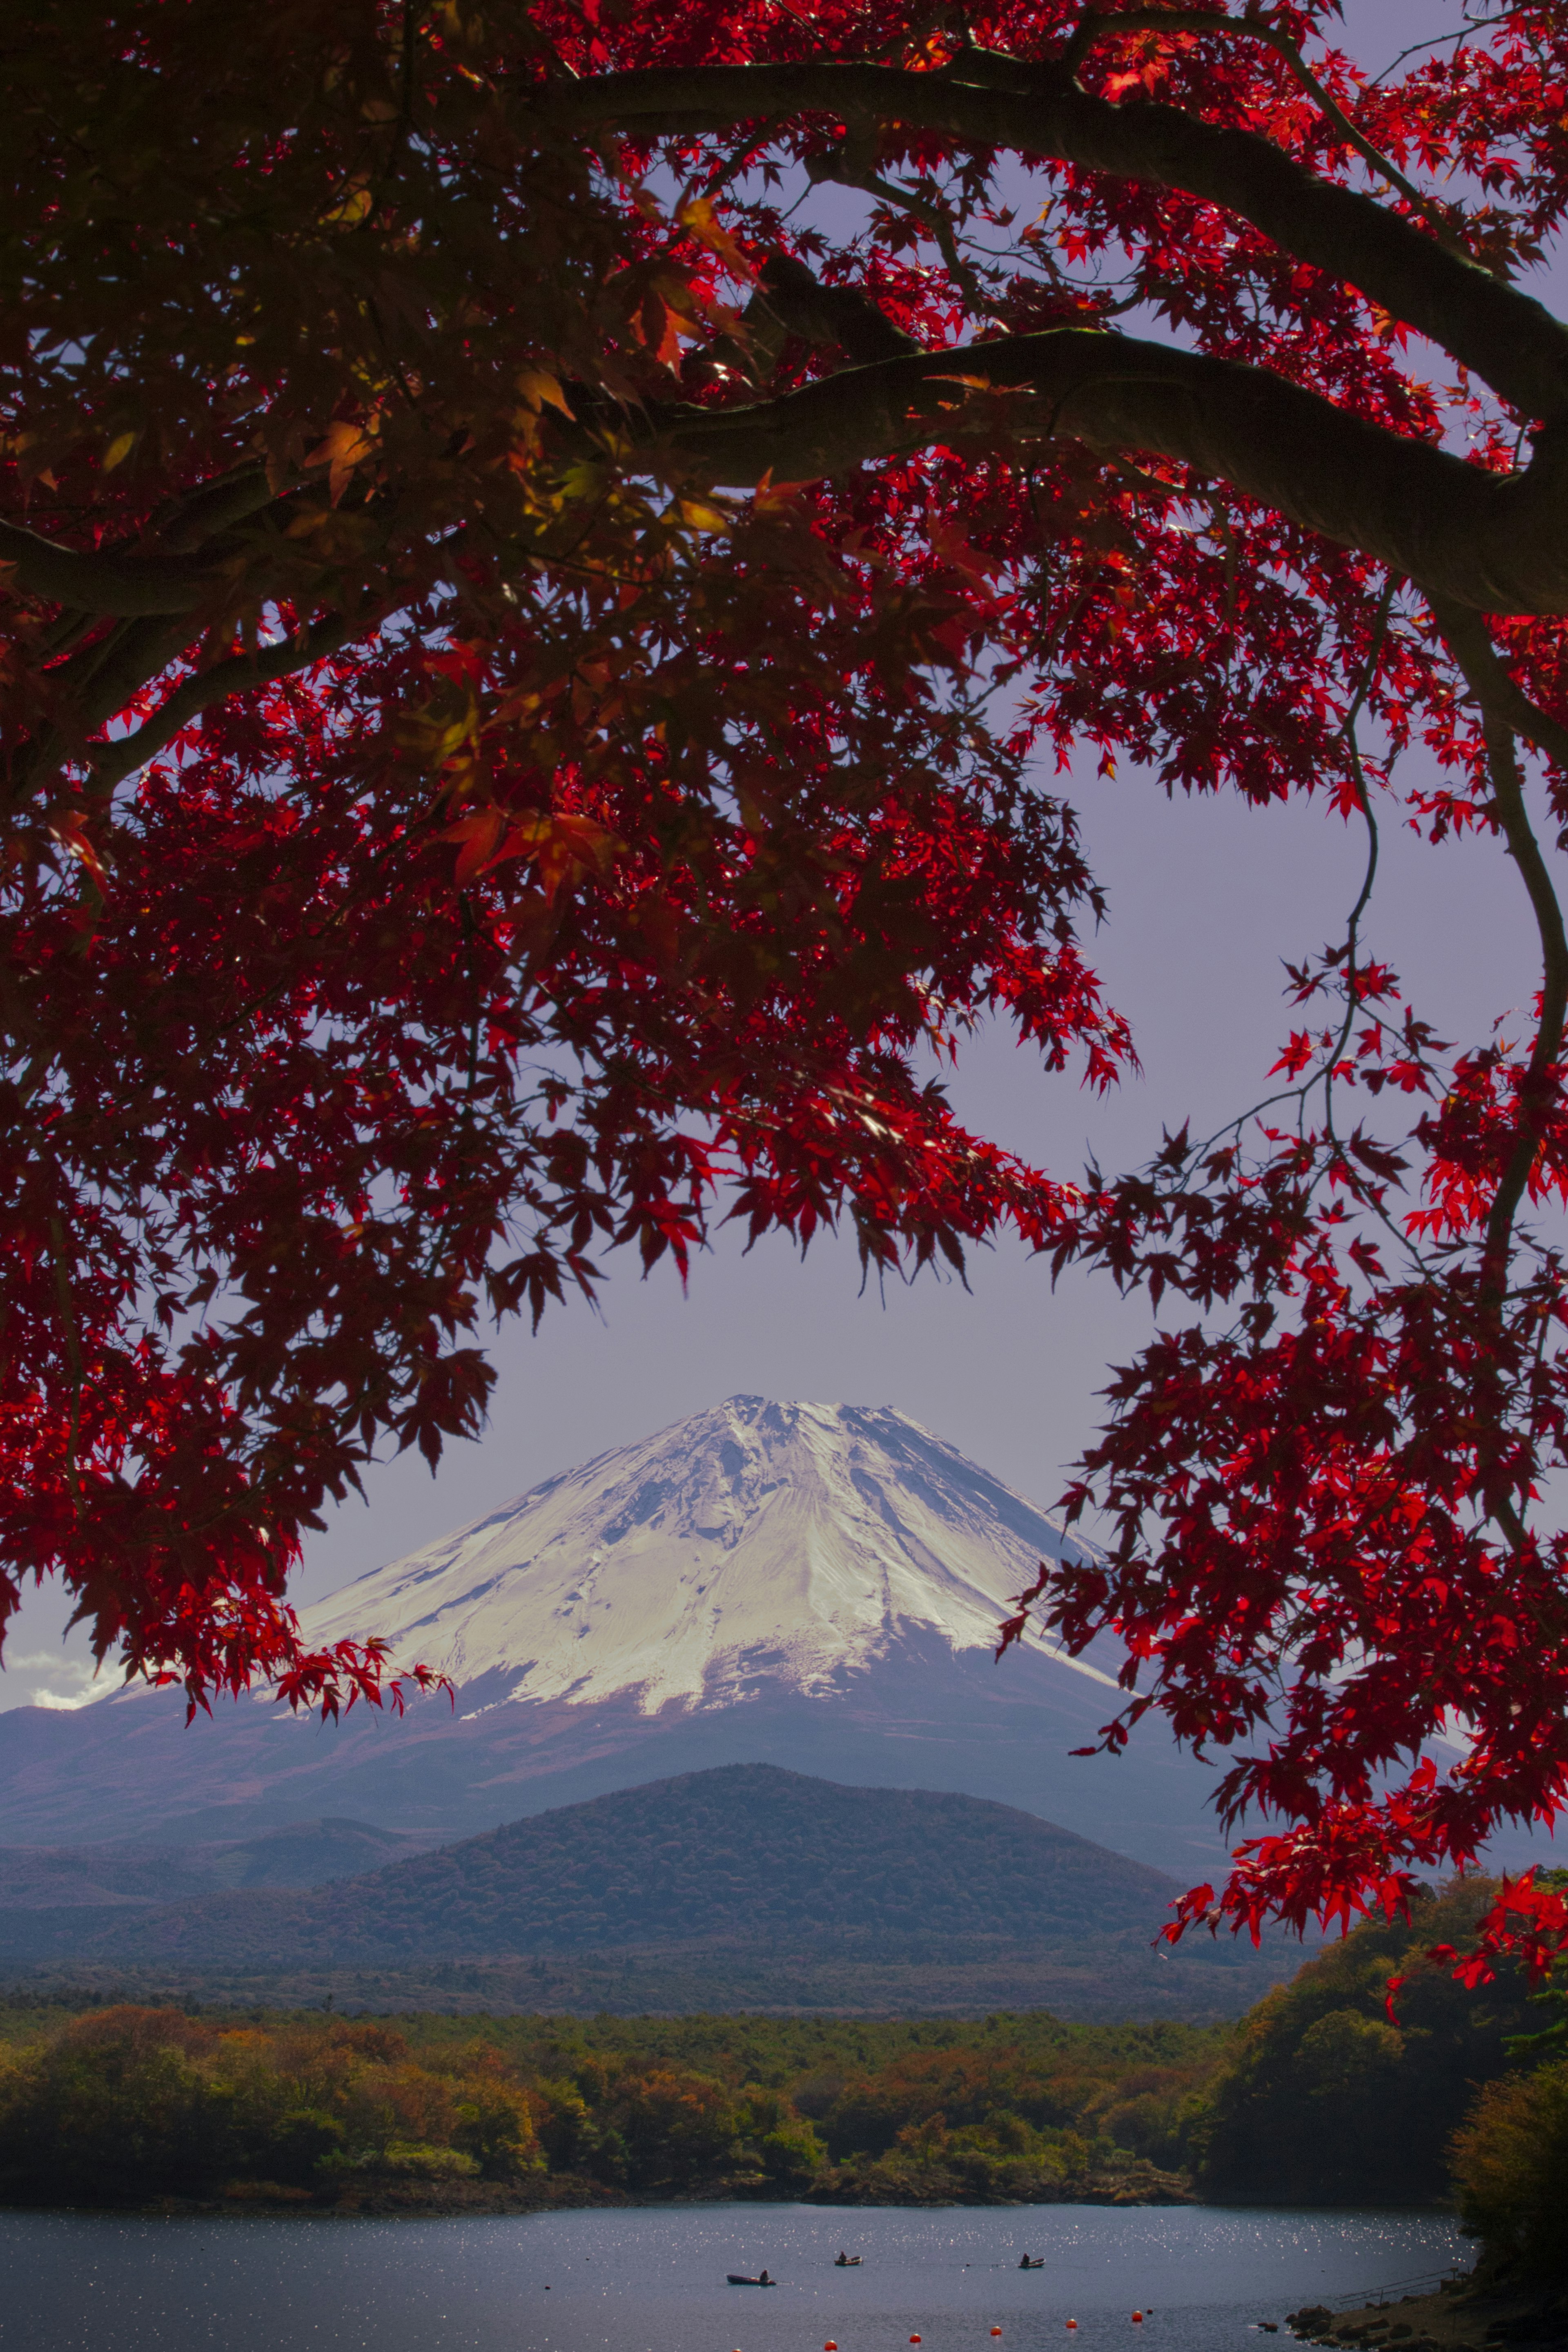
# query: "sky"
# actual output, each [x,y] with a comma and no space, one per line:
[1207,899]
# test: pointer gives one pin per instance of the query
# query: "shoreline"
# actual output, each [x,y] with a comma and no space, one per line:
[1463,2316]
[415,2200]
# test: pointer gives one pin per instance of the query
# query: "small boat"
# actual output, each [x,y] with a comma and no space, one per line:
[1031,2262]
[848,2261]
[761,2279]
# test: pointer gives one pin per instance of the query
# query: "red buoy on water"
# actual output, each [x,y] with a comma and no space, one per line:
[1072,2323]
[1138,2318]
[995,2331]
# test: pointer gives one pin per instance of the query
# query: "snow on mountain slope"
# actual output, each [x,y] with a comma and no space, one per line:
[757,1543]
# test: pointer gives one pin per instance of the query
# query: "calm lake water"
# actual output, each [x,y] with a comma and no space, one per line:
[652,2280]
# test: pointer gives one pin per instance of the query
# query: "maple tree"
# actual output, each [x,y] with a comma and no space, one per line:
[548,551]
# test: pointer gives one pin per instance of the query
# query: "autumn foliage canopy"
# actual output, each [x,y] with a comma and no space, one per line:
[554,558]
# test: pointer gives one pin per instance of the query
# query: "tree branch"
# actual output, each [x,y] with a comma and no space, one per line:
[130,586]
[113,762]
[1494,542]
[984,100]
[1100,26]
[185,574]
[1470,641]
[822,314]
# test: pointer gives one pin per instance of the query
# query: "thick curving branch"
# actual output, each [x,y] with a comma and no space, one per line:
[194,558]
[982,100]
[84,581]
[1489,541]
[1100,26]
[1470,641]
[113,762]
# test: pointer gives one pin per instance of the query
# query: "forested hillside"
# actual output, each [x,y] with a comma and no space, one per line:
[1315,2098]
[745,1852]
[123,2105]
[746,1864]
[1324,2101]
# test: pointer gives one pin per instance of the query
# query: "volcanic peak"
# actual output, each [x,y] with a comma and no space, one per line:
[784,1545]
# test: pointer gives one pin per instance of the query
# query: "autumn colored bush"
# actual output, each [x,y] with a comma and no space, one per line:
[1328,2099]
[1316,2096]
[1509,2161]
[127,2104]
[130,2103]
[133,2102]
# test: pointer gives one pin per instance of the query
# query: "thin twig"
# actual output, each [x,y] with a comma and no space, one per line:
[73,1356]
[1469,643]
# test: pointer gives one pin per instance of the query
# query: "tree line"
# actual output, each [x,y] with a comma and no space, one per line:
[1330,2091]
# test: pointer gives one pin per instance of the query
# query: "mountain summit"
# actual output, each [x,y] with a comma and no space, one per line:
[758,1547]
[816,1586]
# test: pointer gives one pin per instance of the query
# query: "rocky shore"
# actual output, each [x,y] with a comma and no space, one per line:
[1463,2316]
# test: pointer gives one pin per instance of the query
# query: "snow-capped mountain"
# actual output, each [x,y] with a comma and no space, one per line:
[807,1585]
[757,1547]
[811,1585]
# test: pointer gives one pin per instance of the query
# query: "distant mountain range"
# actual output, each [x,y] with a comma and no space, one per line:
[794,1883]
[812,1585]
[125,1874]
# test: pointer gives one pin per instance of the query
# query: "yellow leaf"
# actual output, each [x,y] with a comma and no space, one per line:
[698,515]
[353,209]
[119,449]
[698,218]
[536,387]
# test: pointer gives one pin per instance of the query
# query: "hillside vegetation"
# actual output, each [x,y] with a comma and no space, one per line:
[755,1886]
[1315,2098]
[1325,2101]
[120,1871]
[746,1851]
[129,2105]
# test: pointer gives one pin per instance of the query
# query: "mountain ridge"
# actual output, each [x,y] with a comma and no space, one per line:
[708,1873]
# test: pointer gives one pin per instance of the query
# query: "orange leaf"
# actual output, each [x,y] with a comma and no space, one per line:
[479,835]
[698,218]
[345,446]
[69,832]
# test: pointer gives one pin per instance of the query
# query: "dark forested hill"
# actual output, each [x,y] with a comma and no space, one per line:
[745,1859]
[744,1853]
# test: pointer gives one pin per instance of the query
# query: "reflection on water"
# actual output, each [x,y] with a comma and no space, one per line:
[652,2280]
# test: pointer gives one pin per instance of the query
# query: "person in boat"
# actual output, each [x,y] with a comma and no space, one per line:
[763,2279]
[1031,2262]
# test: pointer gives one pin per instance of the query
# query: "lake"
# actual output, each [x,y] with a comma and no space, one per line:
[652,2279]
